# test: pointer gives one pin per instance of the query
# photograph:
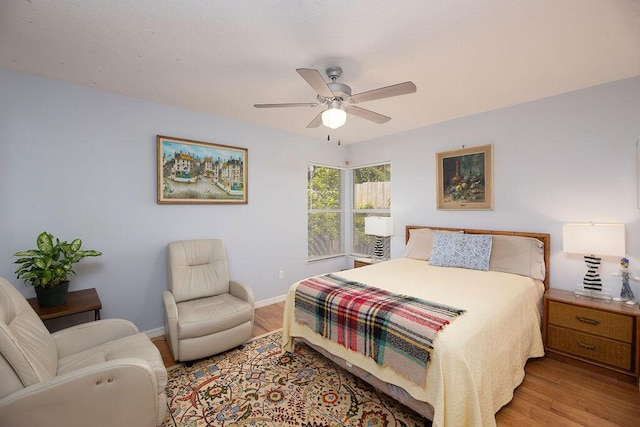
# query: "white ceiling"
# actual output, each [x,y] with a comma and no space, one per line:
[221,57]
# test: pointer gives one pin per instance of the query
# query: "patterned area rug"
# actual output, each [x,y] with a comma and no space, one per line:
[262,385]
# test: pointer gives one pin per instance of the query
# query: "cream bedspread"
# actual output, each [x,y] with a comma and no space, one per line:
[478,359]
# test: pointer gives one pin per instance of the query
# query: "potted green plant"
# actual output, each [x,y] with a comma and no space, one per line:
[48,268]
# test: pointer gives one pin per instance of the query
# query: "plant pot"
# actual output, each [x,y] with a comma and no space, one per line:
[49,296]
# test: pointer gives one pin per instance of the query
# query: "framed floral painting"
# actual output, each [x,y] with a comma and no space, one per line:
[464,178]
[191,172]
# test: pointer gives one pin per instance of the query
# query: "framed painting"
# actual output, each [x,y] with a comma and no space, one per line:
[464,178]
[195,172]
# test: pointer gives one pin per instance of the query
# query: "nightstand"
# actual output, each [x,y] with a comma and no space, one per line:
[362,262]
[598,333]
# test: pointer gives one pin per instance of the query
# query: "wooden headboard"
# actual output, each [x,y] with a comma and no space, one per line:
[545,238]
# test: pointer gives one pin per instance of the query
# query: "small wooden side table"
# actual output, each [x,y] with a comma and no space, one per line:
[362,262]
[592,332]
[77,302]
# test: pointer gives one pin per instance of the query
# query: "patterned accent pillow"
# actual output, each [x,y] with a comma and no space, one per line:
[421,241]
[461,250]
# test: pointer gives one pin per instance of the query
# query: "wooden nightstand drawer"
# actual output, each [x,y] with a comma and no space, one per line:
[362,262]
[602,323]
[603,350]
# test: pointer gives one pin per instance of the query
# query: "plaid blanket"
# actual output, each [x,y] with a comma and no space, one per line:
[394,330]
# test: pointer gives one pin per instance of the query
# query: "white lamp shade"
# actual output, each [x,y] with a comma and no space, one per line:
[594,239]
[378,226]
[334,118]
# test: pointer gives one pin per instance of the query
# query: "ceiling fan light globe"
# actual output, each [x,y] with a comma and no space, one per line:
[334,118]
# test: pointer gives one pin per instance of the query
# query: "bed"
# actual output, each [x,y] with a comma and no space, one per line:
[478,359]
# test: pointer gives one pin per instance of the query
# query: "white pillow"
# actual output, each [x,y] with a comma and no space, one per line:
[420,242]
[518,255]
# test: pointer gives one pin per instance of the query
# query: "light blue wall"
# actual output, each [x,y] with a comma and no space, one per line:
[79,162]
[568,158]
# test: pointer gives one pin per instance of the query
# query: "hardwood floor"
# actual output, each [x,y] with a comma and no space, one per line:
[267,319]
[556,393]
[553,393]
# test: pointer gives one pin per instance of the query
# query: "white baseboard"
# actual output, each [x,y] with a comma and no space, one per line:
[270,301]
[156,332]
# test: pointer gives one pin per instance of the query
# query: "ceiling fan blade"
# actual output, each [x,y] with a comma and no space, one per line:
[290,104]
[368,114]
[315,80]
[384,92]
[317,121]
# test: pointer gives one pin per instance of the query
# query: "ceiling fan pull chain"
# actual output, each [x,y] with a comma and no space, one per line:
[329,139]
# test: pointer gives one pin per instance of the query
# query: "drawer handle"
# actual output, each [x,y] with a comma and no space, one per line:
[587,346]
[587,320]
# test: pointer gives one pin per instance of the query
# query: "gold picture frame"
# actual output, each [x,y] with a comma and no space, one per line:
[196,172]
[464,178]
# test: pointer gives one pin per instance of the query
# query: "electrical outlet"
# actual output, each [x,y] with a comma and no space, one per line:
[281,274]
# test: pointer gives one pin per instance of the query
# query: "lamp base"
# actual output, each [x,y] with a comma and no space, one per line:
[378,250]
[581,291]
[592,279]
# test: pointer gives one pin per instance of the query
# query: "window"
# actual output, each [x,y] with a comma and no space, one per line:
[371,196]
[325,207]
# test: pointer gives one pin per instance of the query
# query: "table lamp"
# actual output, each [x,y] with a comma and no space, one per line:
[379,226]
[593,241]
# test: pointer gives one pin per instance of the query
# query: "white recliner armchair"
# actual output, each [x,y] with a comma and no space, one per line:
[205,312]
[101,373]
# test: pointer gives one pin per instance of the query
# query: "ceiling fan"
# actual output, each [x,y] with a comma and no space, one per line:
[338,99]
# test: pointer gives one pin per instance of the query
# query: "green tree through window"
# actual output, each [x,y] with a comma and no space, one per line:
[371,197]
[325,211]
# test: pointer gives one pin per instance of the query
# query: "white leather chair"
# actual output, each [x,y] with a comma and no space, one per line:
[205,312]
[101,373]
